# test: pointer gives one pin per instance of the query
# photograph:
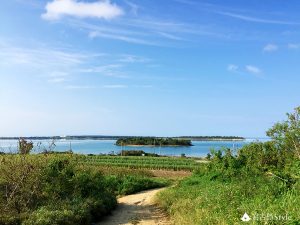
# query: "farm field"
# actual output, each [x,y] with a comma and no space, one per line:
[138,162]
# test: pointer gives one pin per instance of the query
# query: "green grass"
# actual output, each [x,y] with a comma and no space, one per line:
[200,200]
[138,162]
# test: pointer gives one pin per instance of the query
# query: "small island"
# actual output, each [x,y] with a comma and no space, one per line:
[152,141]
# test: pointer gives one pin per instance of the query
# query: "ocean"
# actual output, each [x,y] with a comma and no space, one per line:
[199,148]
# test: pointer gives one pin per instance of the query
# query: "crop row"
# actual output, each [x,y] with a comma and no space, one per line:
[146,166]
[143,158]
[141,162]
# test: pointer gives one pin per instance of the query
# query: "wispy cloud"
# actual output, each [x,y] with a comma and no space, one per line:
[143,86]
[78,87]
[170,36]
[111,70]
[146,30]
[253,69]
[106,86]
[293,46]
[62,65]
[58,74]
[56,9]
[120,37]
[256,19]
[232,68]
[133,7]
[40,57]
[32,3]
[133,59]
[57,80]
[115,86]
[270,48]
[152,32]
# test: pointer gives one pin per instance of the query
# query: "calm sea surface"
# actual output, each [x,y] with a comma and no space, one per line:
[199,148]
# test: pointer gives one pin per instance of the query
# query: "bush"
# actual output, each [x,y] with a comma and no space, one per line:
[44,216]
[132,153]
[129,184]
[51,190]
[64,182]
[136,153]
[54,189]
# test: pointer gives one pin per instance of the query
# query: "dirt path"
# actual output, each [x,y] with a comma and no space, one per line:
[137,209]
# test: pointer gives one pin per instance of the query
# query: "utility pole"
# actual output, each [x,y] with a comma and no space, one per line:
[160,148]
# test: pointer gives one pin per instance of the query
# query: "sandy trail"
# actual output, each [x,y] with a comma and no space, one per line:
[137,209]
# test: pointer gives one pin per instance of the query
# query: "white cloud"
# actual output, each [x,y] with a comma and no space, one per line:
[58,74]
[56,9]
[78,87]
[40,57]
[170,36]
[110,70]
[253,69]
[270,48]
[114,86]
[294,46]
[134,7]
[144,86]
[255,19]
[152,31]
[232,68]
[94,34]
[57,80]
[133,59]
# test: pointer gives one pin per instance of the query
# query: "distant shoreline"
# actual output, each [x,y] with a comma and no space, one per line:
[156,145]
[219,139]
[100,137]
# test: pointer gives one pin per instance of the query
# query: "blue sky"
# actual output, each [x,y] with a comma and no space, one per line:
[147,67]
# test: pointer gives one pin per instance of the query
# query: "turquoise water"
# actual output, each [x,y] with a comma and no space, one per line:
[199,148]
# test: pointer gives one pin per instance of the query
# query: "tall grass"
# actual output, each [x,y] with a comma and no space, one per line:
[200,200]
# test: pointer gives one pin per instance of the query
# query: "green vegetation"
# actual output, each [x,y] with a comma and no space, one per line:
[136,153]
[138,162]
[153,141]
[261,179]
[59,189]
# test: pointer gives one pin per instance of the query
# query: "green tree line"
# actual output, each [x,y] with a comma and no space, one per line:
[153,141]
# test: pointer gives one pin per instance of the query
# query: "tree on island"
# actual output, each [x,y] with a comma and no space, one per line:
[153,141]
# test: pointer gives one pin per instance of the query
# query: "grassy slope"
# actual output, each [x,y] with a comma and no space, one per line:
[200,200]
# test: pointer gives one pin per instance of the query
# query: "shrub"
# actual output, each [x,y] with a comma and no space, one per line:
[136,153]
[44,216]
[286,134]
[129,184]
[25,146]
[45,189]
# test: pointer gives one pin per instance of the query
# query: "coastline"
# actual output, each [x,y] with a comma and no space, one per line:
[156,145]
[218,139]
